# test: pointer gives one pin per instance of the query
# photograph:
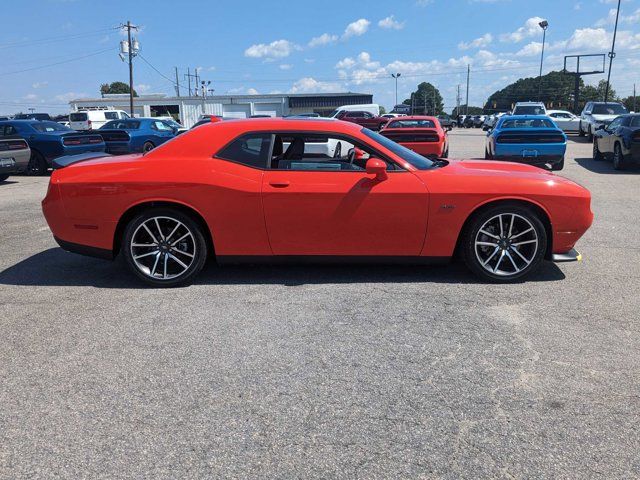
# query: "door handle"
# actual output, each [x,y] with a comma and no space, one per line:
[279,183]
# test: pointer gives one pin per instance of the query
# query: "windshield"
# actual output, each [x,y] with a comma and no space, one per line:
[529,110]
[609,109]
[527,123]
[418,161]
[49,127]
[411,124]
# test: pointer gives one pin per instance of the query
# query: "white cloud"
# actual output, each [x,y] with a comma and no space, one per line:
[423,3]
[347,62]
[390,23]
[530,49]
[479,42]
[324,39]
[252,91]
[142,88]
[286,66]
[357,28]
[610,19]
[31,96]
[311,85]
[37,85]
[529,29]
[275,49]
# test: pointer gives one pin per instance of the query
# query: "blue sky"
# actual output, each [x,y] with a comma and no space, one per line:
[55,50]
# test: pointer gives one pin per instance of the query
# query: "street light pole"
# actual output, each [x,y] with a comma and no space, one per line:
[396,76]
[612,54]
[543,25]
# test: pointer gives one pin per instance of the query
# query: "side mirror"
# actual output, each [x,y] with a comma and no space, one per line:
[601,127]
[377,167]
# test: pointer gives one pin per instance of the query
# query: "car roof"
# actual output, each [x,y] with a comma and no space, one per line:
[529,103]
[286,124]
[416,117]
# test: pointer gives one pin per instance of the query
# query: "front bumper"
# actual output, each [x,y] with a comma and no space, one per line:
[571,256]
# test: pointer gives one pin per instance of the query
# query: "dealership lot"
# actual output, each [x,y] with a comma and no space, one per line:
[323,371]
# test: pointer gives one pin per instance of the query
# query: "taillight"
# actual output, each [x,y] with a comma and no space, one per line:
[95,140]
[89,123]
[70,141]
[636,136]
[17,145]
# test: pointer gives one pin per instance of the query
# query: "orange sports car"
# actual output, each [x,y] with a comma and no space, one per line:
[423,135]
[322,190]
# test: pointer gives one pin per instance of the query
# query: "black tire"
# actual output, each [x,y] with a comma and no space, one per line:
[487,155]
[558,166]
[478,221]
[590,135]
[618,157]
[446,154]
[196,243]
[3,177]
[580,132]
[147,147]
[37,165]
[597,154]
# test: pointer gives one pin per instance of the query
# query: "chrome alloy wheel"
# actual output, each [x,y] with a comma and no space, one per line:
[506,244]
[163,248]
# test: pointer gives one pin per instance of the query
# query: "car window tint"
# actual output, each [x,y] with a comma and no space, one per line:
[635,121]
[49,127]
[77,117]
[161,126]
[251,150]
[412,124]
[111,115]
[527,123]
[608,109]
[615,123]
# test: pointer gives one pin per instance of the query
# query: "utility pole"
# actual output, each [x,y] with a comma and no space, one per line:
[458,102]
[466,109]
[177,83]
[130,49]
[197,81]
[189,76]
[434,101]
[634,98]
[612,54]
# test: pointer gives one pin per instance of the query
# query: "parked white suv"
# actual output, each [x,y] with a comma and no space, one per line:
[94,119]
[529,108]
[596,114]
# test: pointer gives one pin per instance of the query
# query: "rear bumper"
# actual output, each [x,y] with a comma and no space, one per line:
[20,161]
[426,149]
[85,250]
[119,148]
[571,256]
[539,160]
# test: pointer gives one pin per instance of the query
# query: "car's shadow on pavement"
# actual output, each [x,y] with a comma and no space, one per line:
[606,167]
[55,267]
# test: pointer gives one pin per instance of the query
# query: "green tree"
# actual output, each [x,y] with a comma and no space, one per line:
[382,110]
[116,87]
[426,100]
[632,104]
[463,111]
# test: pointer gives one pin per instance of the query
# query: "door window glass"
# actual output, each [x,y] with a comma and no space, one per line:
[251,150]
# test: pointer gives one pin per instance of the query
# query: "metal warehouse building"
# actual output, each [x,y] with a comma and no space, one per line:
[189,109]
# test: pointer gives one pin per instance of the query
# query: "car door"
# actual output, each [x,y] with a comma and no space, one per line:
[605,144]
[321,205]
[162,131]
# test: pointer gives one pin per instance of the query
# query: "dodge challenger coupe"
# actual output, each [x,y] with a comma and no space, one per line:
[532,139]
[423,135]
[618,141]
[250,191]
[136,135]
[49,140]
[14,155]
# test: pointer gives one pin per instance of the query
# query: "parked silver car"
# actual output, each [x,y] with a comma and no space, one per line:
[567,121]
[14,155]
[597,114]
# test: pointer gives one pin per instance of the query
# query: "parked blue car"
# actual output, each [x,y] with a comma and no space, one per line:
[49,140]
[136,135]
[532,139]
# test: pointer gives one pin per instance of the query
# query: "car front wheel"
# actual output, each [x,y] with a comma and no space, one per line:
[504,243]
[147,147]
[37,164]
[618,157]
[597,155]
[164,247]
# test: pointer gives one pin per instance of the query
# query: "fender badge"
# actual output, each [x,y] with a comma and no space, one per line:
[447,207]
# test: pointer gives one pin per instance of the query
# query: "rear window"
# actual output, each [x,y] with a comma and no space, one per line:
[121,125]
[411,124]
[251,150]
[635,121]
[609,109]
[50,127]
[78,117]
[529,110]
[527,123]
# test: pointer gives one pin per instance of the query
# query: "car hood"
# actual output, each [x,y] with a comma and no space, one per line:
[604,118]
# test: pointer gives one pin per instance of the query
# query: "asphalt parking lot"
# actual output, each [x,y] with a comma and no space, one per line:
[323,372]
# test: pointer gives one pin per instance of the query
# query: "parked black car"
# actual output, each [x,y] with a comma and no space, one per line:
[32,116]
[468,121]
[446,121]
[618,141]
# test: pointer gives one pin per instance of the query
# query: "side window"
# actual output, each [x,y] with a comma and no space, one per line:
[354,114]
[319,152]
[367,115]
[7,130]
[111,115]
[251,150]
[635,121]
[615,124]
[161,126]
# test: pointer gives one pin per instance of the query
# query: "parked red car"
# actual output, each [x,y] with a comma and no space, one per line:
[288,189]
[366,119]
[423,135]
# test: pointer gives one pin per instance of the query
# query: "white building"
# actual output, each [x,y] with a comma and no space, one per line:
[188,109]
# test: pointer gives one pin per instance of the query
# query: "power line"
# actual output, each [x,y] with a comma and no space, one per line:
[110,49]
[58,38]
[173,82]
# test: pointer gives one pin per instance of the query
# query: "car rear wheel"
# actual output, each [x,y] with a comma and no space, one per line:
[37,164]
[487,155]
[580,131]
[504,243]
[590,134]
[164,247]
[618,157]
[3,177]
[147,147]
[558,166]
